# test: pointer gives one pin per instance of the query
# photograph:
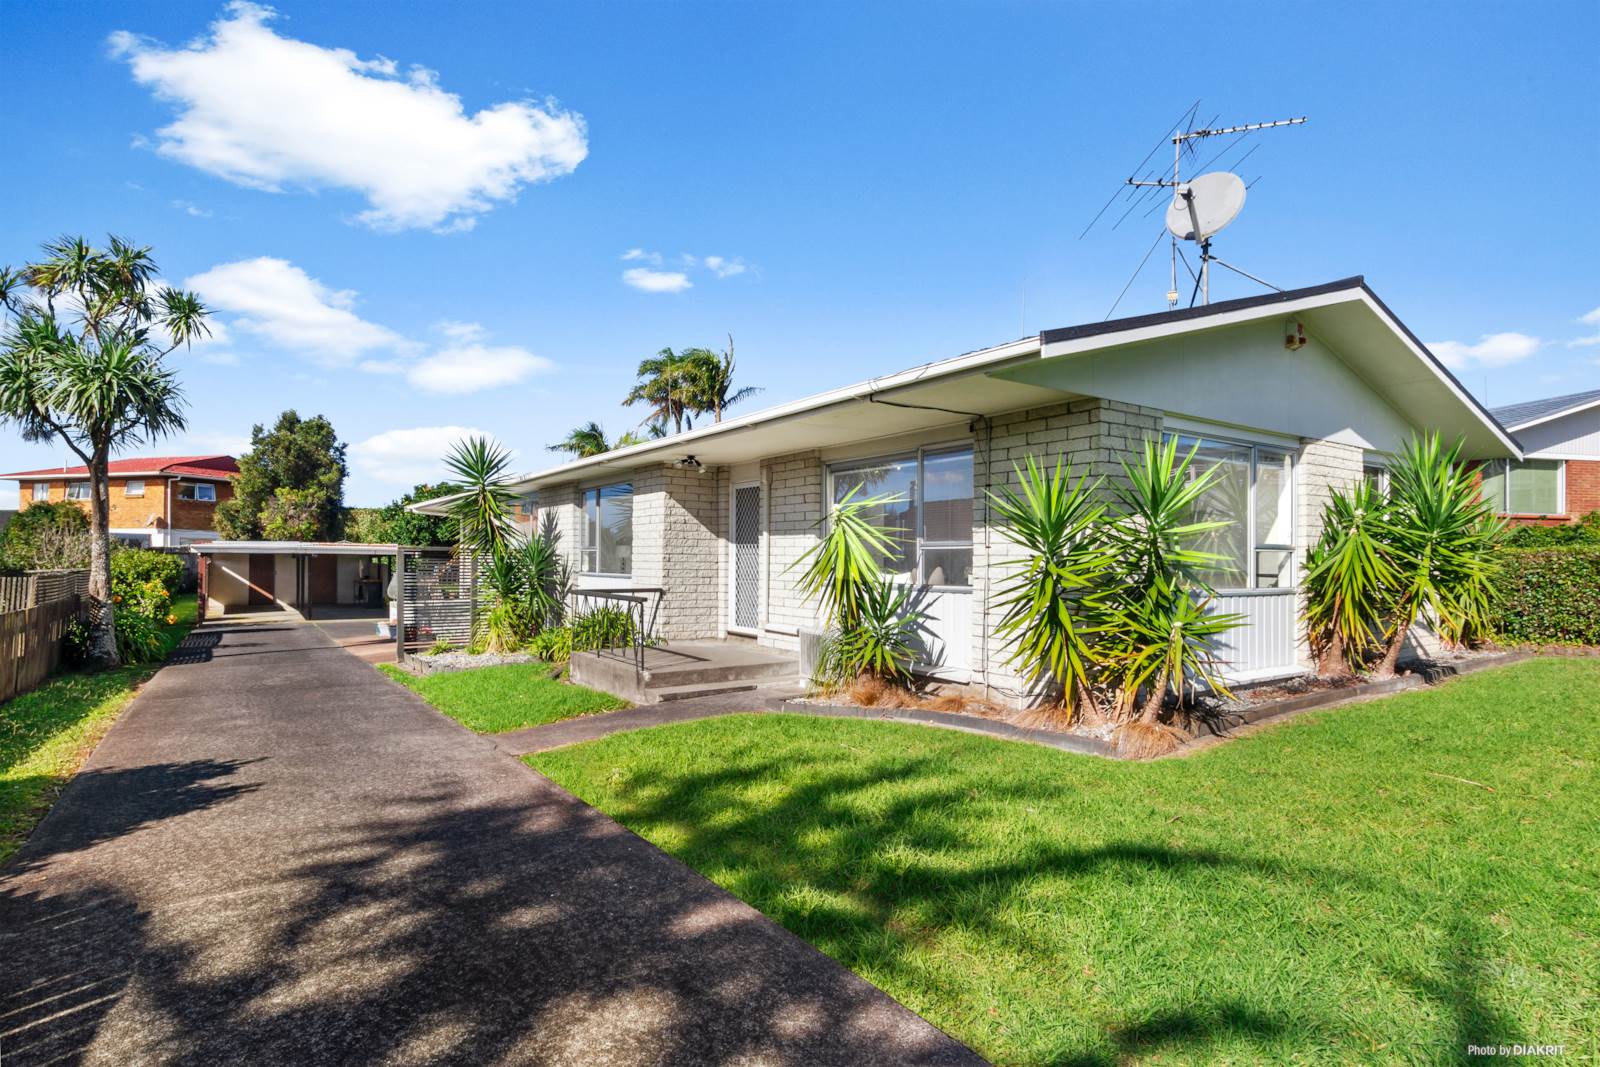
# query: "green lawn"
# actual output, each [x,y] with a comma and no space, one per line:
[46,735]
[1381,883]
[492,700]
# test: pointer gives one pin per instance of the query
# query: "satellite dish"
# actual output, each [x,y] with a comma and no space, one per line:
[1205,205]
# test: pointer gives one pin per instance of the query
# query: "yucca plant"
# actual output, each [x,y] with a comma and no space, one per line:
[504,625]
[842,567]
[1159,630]
[547,576]
[1350,579]
[881,643]
[1054,590]
[481,476]
[1442,536]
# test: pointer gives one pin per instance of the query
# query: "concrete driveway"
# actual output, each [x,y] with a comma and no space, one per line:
[279,857]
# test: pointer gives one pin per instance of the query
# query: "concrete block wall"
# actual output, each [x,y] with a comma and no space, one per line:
[692,552]
[794,487]
[1094,436]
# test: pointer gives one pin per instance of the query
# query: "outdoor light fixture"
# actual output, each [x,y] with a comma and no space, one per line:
[689,463]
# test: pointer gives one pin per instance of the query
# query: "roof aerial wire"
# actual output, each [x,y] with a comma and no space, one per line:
[1186,117]
[1136,271]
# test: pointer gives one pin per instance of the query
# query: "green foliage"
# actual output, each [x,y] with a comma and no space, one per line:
[439,648]
[1584,532]
[841,568]
[1549,595]
[1053,592]
[546,578]
[131,567]
[1349,577]
[882,642]
[290,481]
[392,524]
[139,638]
[46,536]
[481,473]
[680,385]
[584,441]
[553,645]
[606,627]
[512,696]
[1158,630]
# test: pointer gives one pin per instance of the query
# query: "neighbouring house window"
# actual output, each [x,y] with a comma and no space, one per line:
[1525,487]
[1253,492]
[606,546]
[41,491]
[1375,475]
[133,487]
[932,517]
[77,490]
[201,492]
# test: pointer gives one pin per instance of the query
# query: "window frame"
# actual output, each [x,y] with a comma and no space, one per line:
[1252,546]
[41,492]
[1506,466]
[588,548]
[73,491]
[189,492]
[127,487]
[921,544]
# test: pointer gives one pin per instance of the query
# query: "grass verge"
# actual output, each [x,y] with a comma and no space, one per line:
[46,735]
[493,700]
[1386,882]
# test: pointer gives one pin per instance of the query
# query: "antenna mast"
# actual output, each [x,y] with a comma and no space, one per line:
[1185,194]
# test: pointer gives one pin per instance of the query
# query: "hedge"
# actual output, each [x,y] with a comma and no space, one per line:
[1586,531]
[132,567]
[1550,595]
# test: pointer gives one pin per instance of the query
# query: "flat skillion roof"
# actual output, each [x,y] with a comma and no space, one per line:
[291,548]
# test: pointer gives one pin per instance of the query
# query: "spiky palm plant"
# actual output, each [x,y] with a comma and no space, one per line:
[548,578]
[881,643]
[584,441]
[1350,579]
[1442,536]
[842,567]
[1161,634]
[481,477]
[1053,593]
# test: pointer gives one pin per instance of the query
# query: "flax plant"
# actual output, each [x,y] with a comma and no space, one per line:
[1350,579]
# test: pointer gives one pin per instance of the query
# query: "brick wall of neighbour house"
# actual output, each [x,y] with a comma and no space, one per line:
[1094,436]
[147,512]
[1583,487]
[793,484]
[196,514]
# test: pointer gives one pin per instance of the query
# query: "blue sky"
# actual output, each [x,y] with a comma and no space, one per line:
[425,231]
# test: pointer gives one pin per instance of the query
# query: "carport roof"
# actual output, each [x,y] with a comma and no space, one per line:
[291,548]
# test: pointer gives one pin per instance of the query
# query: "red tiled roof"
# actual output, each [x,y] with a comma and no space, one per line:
[194,466]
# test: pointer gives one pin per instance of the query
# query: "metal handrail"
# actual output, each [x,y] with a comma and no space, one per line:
[635,596]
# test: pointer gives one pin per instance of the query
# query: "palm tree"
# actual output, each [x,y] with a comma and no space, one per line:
[714,374]
[584,441]
[82,359]
[481,479]
[666,383]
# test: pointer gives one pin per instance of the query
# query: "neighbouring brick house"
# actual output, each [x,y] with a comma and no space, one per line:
[155,501]
[1558,479]
[1290,394]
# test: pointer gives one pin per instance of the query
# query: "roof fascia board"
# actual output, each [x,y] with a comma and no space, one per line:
[1073,346]
[1542,419]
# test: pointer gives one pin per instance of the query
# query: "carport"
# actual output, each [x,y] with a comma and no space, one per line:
[311,579]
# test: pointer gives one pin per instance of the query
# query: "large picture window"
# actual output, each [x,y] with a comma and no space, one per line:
[1526,487]
[1253,492]
[606,545]
[931,517]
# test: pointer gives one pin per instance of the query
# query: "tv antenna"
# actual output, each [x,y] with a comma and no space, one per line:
[1200,207]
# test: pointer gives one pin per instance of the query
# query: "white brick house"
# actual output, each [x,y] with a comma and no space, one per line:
[1291,393]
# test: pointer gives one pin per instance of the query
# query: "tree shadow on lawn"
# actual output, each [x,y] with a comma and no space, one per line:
[446,928]
[872,880]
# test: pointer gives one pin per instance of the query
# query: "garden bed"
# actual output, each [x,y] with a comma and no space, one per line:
[449,662]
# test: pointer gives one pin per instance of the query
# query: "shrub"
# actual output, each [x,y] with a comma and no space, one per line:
[881,644]
[1549,595]
[53,536]
[602,628]
[132,567]
[139,637]
[553,645]
[1584,532]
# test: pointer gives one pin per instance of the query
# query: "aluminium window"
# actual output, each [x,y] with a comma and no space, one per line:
[1376,475]
[41,491]
[1253,492]
[203,492]
[133,487]
[1525,487]
[930,513]
[77,490]
[606,544]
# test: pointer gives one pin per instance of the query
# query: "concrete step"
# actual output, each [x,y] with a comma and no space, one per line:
[663,694]
[750,669]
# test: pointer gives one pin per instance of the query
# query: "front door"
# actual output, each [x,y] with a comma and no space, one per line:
[744,607]
[263,571]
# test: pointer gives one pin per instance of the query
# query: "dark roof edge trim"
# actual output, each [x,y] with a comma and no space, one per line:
[1094,329]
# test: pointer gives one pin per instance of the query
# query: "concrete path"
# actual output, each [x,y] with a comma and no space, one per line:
[592,727]
[278,857]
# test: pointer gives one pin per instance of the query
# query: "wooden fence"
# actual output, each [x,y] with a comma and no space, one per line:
[31,640]
[18,591]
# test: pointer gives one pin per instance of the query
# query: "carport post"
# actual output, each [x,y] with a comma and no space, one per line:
[205,573]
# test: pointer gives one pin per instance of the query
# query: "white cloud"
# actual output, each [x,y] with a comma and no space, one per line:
[1590,319]
[277,300]
[1492,350]
[270,112]
[407,457]
[460,332]
[632,254]
[188,207]
[724,266]
[469,368]
[656,281]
